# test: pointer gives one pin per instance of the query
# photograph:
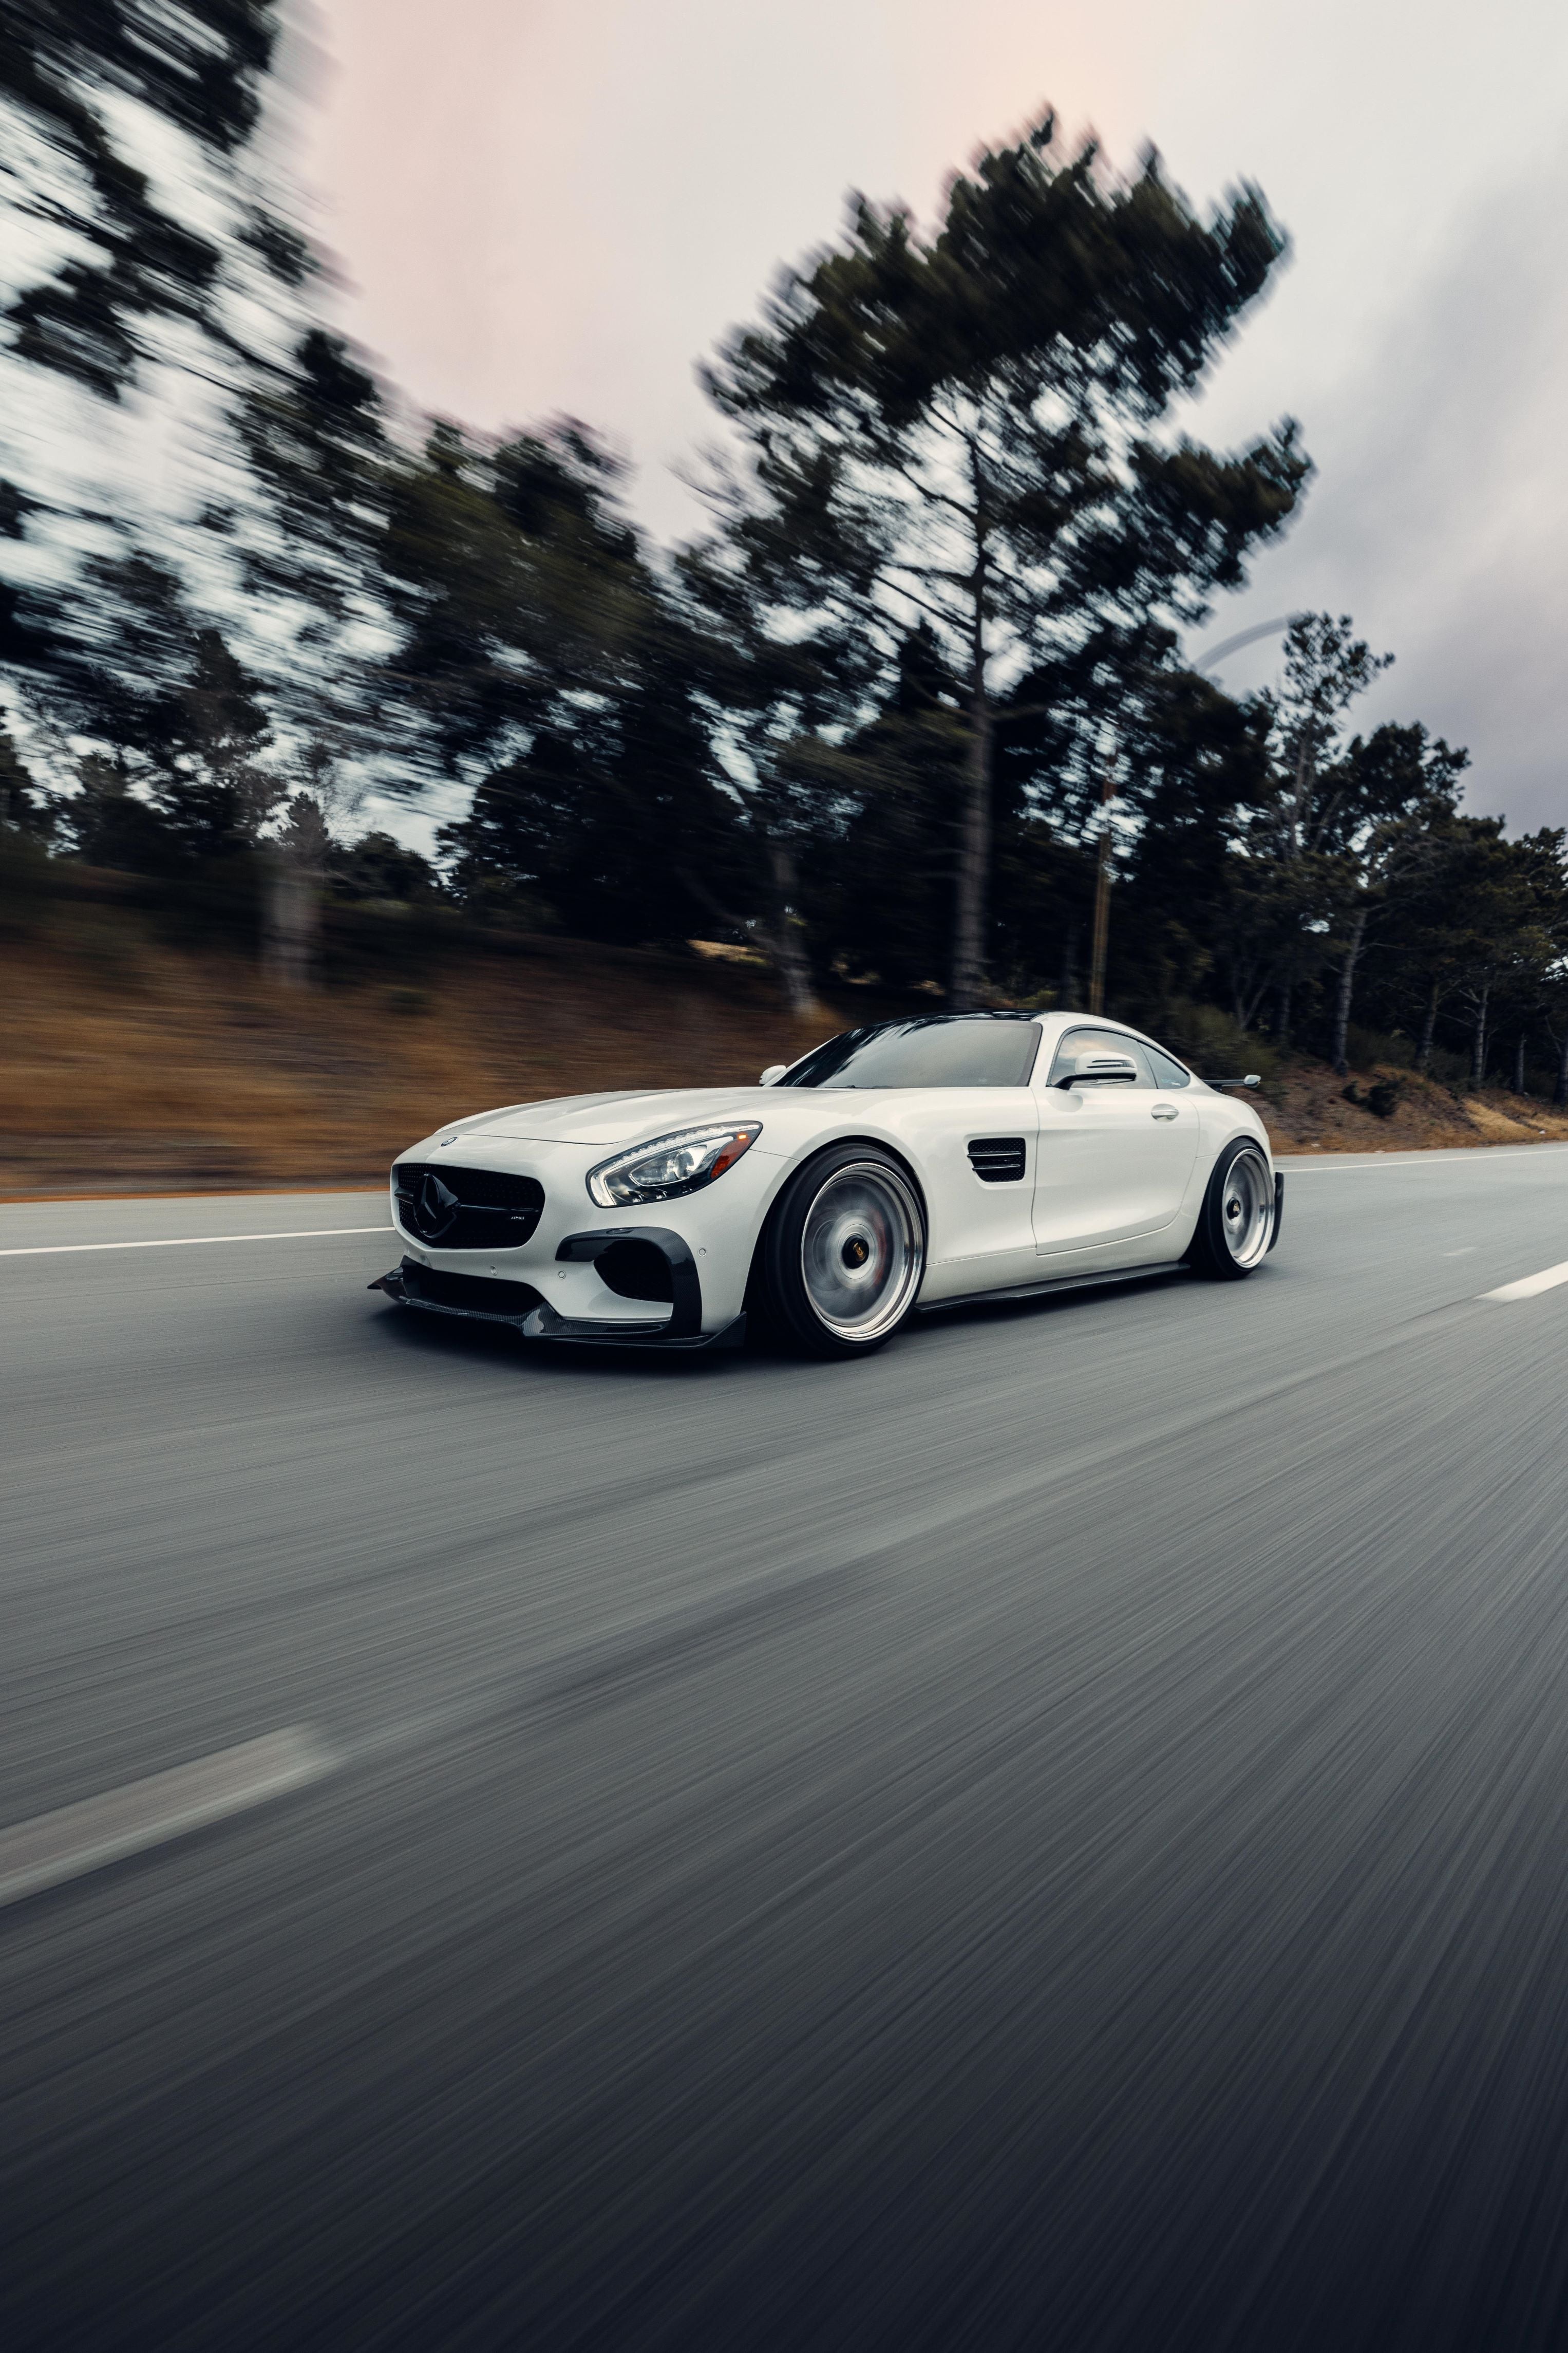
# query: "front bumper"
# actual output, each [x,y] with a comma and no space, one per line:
[519,1307]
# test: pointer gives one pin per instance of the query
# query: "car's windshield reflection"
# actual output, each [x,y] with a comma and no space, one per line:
[946,1049]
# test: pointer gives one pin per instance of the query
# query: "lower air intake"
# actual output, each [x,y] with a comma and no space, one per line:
[477,1294]
[634,1269]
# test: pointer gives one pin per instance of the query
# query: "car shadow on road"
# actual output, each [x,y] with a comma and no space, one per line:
[475,1342]
[1046,1304]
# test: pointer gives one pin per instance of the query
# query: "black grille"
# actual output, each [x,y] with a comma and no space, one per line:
[467,1208]
[997,1159]
[479,1293]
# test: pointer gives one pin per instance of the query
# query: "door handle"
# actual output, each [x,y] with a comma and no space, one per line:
[1164,1110]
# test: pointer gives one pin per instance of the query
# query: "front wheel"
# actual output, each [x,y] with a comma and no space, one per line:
[1236,1223]
[844,1253]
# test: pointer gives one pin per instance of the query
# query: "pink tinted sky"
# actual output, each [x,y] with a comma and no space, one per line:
[547,208]
[559,208]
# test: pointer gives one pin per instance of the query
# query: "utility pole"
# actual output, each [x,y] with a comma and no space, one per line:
[1102,889]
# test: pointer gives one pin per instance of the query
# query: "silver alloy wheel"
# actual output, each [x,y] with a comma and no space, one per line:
[862,1250]
[1247,1208]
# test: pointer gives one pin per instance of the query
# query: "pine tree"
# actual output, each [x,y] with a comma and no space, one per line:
[961,427]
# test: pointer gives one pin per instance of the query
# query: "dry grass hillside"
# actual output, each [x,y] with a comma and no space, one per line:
[130,1063]
[166,1068]
[1307,1111]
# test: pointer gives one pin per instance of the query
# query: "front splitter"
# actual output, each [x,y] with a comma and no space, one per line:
[542,1323]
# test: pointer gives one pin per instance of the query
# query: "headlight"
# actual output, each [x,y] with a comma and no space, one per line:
[670,1164]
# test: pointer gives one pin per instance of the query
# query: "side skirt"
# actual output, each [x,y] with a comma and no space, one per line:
[1057,1282]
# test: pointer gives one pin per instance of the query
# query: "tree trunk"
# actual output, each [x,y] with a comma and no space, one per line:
[293,920]
[1069,967]
[1282,1030]
[1102,940]
[1247,995]
[974,843]
[1560,1092]
[1304,778]
[1429,1028]
[968,981]
[1347,985]
[1518,1065]
[789,956]
[781,938]
[1479,1039]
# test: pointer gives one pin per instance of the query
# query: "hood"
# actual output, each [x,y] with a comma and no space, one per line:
[620,1118]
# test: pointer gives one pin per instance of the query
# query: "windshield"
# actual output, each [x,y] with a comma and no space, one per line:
[937,1050]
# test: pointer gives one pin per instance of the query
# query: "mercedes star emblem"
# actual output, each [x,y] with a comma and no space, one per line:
[434,1205]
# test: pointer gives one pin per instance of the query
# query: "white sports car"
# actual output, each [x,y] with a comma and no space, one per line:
[907,1165]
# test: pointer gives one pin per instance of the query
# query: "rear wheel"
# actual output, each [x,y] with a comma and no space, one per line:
[841,1261]
[1236,1223]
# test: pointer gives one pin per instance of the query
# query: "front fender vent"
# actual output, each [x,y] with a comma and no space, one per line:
[997,1159]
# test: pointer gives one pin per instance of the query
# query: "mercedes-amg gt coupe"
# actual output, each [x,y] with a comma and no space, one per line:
[908,1165]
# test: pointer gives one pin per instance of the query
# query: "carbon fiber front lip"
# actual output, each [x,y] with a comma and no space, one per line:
[542,1323]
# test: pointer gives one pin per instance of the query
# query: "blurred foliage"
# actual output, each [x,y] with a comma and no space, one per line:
[542,661]
[870,723]
[380,868]
[67,67]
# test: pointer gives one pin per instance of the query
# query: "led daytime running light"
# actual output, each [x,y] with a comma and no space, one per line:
[666,1166]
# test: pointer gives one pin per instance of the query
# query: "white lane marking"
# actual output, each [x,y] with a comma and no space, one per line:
[55,1847]
[1376,1165]
[1529,1284]
[190,1241]
[1358,1164]
[1469,1252]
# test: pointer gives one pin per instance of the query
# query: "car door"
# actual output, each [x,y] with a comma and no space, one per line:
[1116,1149]
[968,1116]
[974,1148]
[956,1093]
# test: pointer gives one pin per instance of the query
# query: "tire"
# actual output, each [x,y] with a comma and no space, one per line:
[842,1255]
[1235,1224]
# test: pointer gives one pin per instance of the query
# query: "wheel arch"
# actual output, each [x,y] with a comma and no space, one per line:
[1200,1250]
[792,1167]
[1213,1147]
[1243,1135]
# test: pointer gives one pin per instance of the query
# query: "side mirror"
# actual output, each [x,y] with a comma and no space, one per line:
[772,1074]
[1251,1081]
[1100,1070]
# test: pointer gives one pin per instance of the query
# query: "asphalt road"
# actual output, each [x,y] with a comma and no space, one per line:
[1055,1836]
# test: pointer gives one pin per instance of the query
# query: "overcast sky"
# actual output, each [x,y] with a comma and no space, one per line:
[559,205]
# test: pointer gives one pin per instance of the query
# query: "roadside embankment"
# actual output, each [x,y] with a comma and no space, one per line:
[127,1064]
[132,1060]
[1387,1109]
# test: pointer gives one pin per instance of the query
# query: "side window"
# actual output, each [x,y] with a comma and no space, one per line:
[1080,1050]
[1168,1071]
